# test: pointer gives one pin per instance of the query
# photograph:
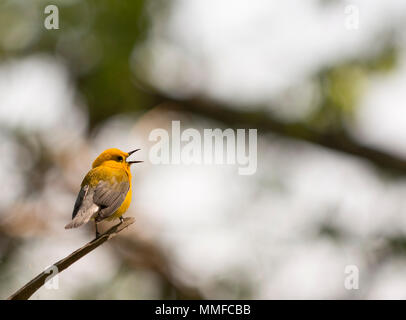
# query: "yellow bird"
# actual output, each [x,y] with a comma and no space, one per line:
[106,189]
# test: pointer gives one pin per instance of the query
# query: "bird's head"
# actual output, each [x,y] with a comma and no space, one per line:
[114,158]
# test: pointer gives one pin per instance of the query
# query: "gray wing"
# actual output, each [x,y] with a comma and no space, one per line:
[84,208]
[99,202]
[82,193]
[109,197]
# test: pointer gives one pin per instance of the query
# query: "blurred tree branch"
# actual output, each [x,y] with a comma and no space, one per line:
[263,121]
[31,287]
[139,253]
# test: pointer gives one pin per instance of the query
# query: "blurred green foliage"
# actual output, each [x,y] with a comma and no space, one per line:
[341,88]
[95,39]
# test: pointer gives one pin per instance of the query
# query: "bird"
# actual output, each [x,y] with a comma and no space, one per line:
[105,191]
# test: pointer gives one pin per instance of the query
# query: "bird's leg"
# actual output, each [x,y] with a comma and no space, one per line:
[121,219]
[97,231]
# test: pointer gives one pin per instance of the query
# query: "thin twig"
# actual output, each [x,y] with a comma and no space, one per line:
[31,287]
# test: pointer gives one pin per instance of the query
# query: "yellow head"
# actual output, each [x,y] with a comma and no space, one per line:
[114,158]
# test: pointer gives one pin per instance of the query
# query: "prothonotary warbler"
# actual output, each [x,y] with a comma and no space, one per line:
[106,189]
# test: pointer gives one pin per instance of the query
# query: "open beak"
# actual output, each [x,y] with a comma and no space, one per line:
[130,153]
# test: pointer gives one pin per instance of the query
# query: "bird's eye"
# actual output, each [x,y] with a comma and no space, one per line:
[120,158]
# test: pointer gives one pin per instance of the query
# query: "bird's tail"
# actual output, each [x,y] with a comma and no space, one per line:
[83,217]
[75,223]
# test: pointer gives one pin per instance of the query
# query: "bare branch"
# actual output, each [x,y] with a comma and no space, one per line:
[31,287]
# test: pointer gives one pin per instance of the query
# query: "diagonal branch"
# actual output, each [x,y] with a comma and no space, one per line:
[31,287]
[264,122]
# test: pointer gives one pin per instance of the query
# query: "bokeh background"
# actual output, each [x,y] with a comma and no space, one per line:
[328,101]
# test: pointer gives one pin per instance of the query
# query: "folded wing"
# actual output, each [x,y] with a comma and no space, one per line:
[99,202]
[109,197]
